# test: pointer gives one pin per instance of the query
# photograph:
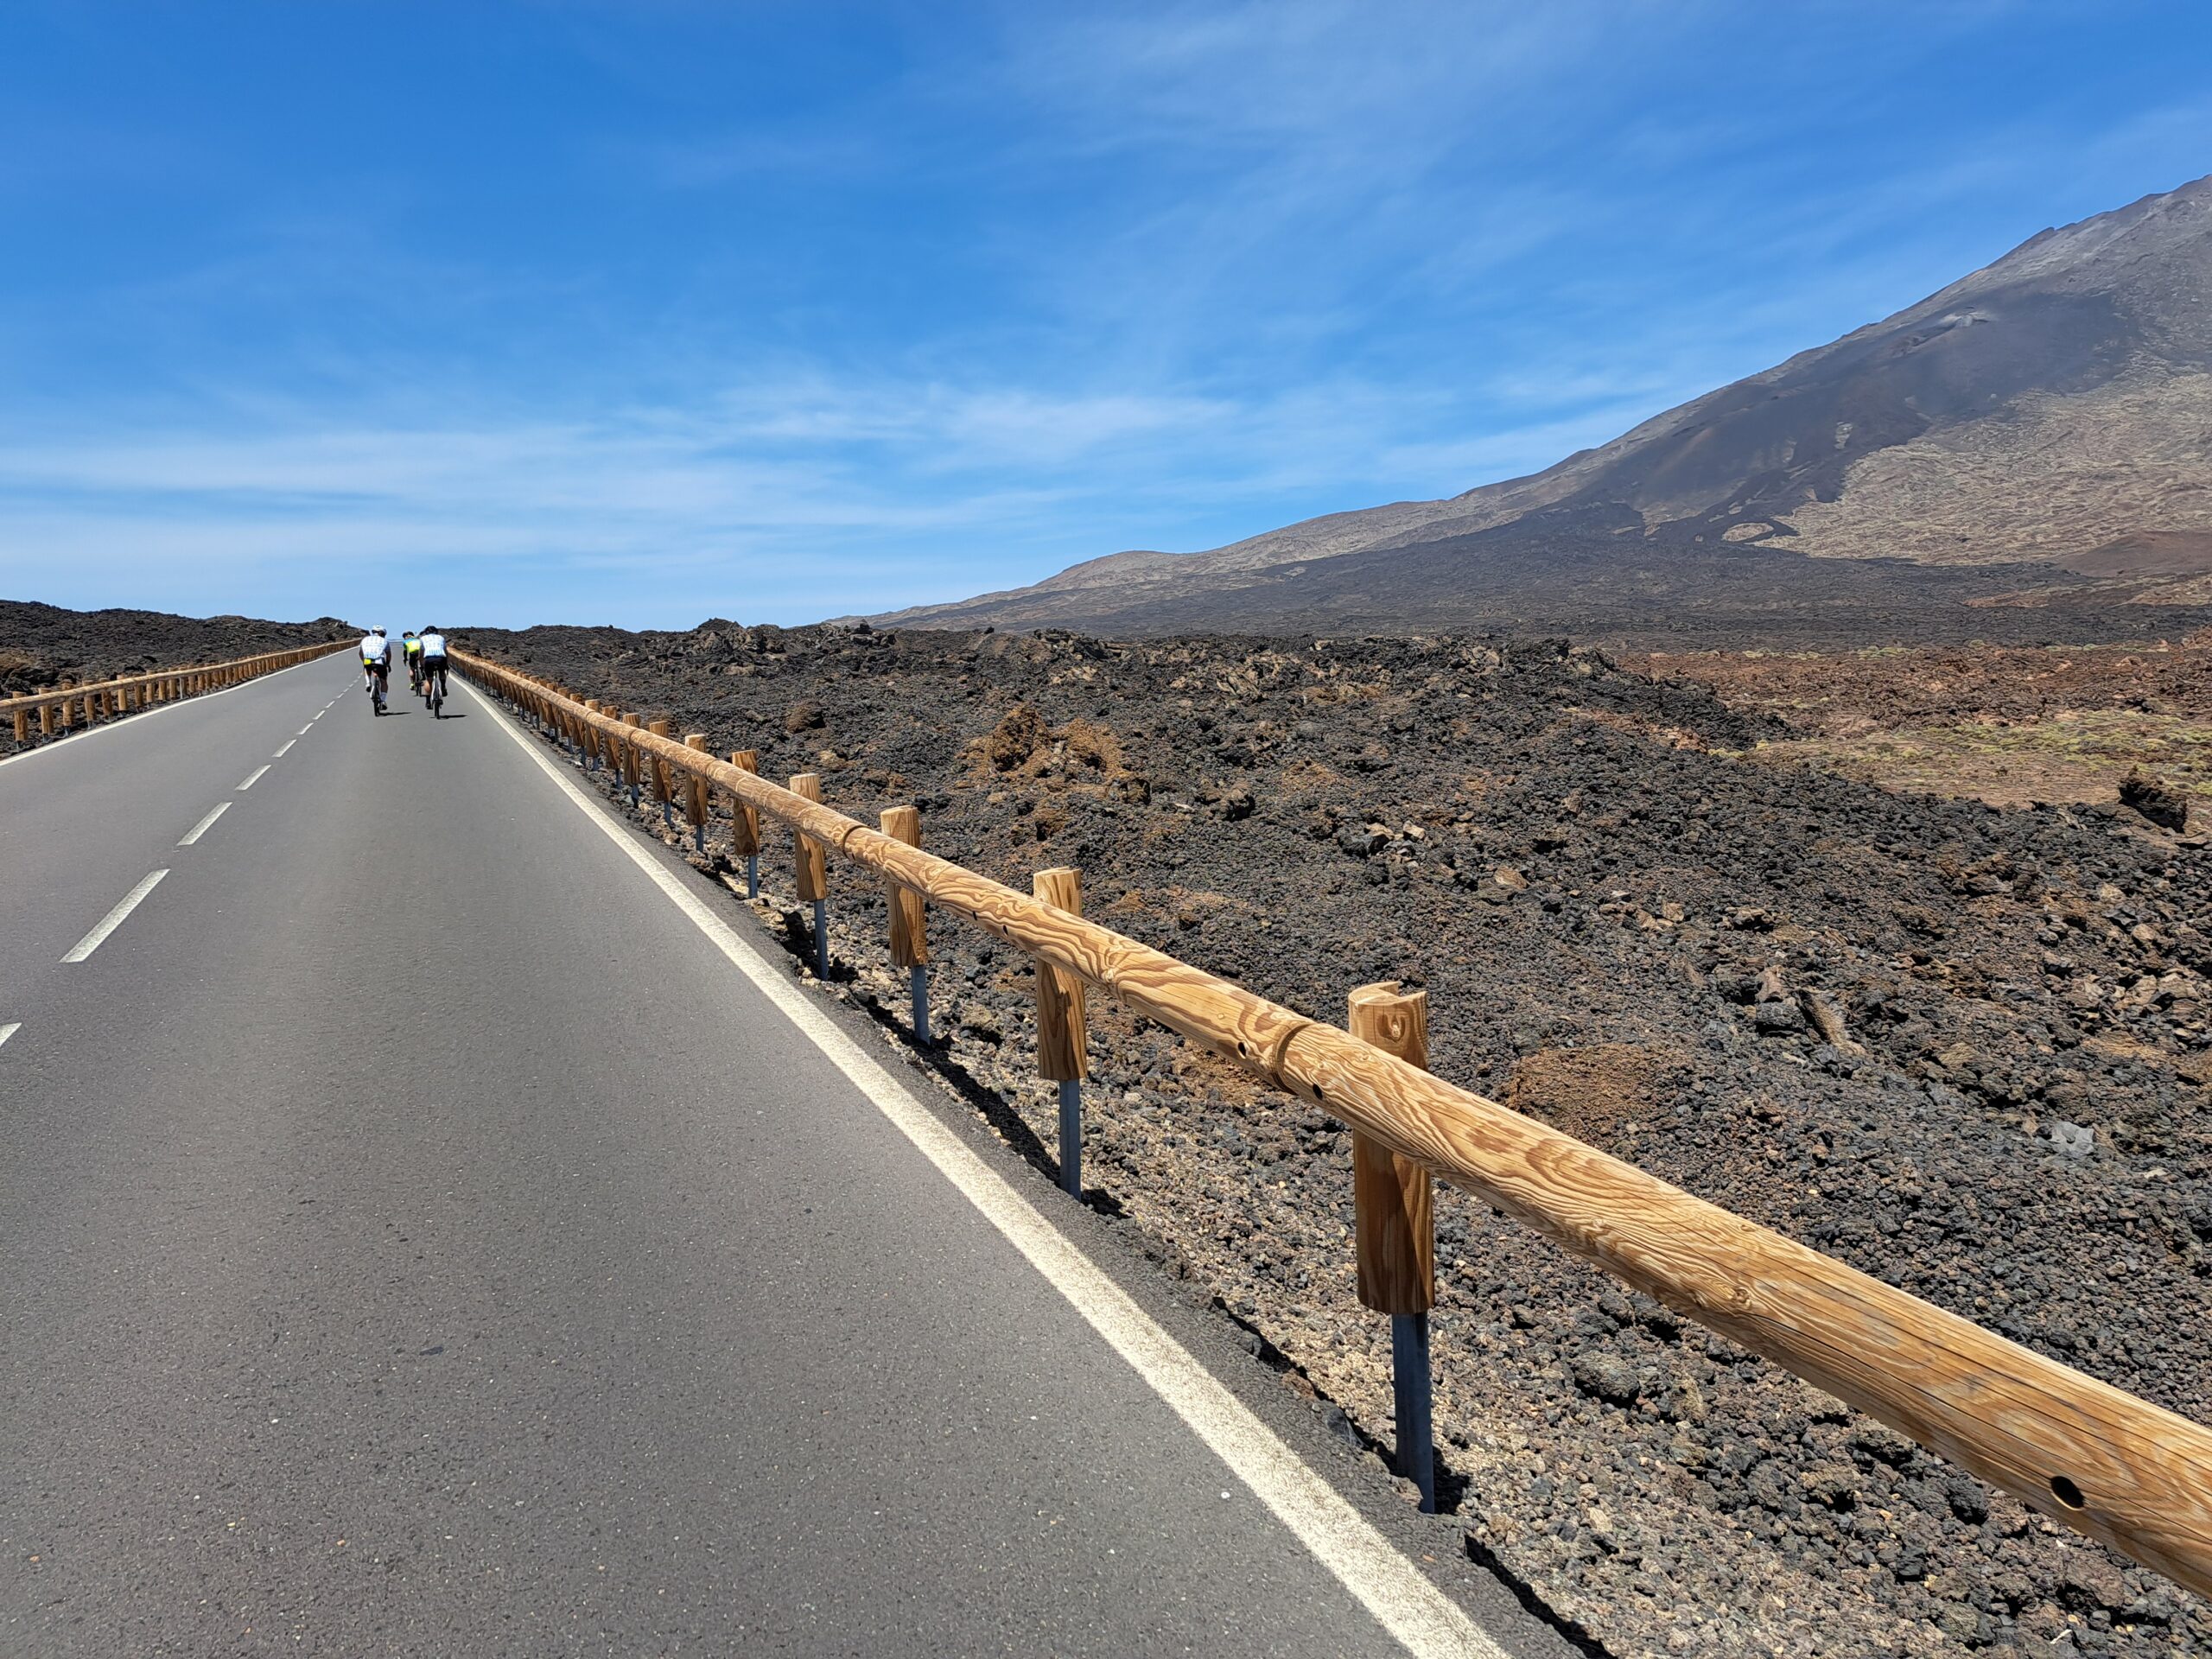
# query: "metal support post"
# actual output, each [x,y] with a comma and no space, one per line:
[822,939]
[699,838]
[917,980]
[1072,1137]
[1409,1393]
[753,875]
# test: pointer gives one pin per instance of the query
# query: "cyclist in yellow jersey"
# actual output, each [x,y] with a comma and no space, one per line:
[413,649]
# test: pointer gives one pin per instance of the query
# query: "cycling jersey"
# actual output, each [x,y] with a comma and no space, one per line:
[433,644]
[376,649]
[414,647]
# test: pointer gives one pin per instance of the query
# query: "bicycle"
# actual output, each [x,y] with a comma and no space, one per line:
[375,686]
[433,689]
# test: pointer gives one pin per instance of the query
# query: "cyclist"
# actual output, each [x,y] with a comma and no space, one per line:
[376,666]
[412,649]
[433,667]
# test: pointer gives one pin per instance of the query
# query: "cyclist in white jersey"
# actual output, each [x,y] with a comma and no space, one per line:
[434,660]
[376,665]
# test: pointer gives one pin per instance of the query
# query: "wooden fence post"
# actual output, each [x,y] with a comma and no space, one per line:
[910,944]
[22,725]
[745,824]
[811,871]
[694,795]
[659,768]
[1063,1040]
[1394,1226]
[629,760]
[591,737]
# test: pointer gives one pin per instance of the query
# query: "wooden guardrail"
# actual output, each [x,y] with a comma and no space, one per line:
[64,707]
[2099,1460]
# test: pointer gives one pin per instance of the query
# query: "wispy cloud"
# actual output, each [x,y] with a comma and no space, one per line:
[681,310]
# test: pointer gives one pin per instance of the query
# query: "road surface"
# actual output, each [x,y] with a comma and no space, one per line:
[420,1232]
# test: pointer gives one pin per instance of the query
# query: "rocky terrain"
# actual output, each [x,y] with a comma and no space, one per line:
[2038,433]
[1964,1048]
[43,647]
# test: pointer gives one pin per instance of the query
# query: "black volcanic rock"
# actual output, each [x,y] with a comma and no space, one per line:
[1600,894]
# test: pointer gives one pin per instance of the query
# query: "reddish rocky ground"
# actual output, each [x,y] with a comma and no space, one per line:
[1592,873]
[2011,726]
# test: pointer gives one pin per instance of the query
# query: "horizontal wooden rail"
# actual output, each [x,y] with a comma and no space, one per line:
[106,699]
[2102,1461]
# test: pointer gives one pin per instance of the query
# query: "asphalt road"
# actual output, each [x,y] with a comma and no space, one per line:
[416,1237]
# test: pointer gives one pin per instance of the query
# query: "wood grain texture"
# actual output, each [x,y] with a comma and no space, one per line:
[2040,1430]
[1393,1201]
[632,724]
[910,944]
[695,786]
[810,866]
[1063,1034]
[745,819]
[657,764]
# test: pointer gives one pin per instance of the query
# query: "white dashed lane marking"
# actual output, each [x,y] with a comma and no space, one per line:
[10,1030]
[205,825]
[309,727]
[114,919]
[281,754]
[255,779]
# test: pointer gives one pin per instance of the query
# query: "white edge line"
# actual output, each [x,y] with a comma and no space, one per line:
[1415,1612]
[137,714]
[114,919]
[10,1030]
[253,778]
[287,749]
[205,825]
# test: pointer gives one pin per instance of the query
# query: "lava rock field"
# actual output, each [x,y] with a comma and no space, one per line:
[1964,1048]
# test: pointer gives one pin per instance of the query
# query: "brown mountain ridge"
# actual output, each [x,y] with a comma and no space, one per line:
[2035,439]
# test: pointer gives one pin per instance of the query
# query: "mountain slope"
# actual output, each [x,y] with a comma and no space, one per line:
[2051,413]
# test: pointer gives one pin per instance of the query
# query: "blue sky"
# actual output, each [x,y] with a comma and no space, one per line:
[642,313]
